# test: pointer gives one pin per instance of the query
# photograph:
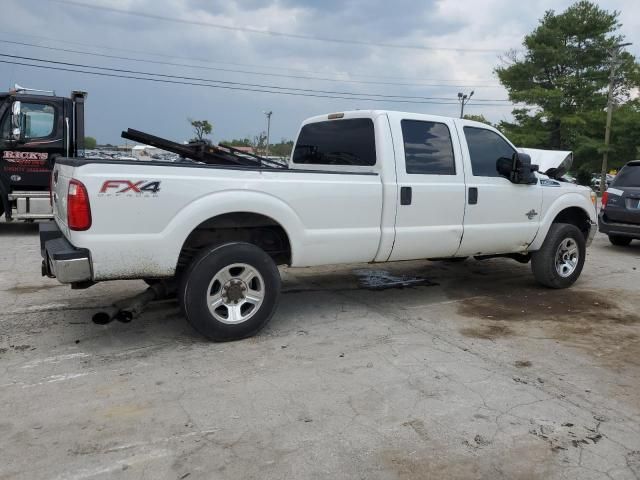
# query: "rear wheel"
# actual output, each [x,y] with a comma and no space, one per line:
[559,261]
[230,291]
[620,241]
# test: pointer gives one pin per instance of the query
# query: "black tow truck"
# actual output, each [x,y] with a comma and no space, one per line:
[36,127]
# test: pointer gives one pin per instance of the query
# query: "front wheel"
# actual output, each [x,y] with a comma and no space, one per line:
[230,291]
[559,261]
[620,241]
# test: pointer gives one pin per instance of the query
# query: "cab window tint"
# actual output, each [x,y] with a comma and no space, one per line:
[40,121]
[337,142]
[485,148]
[427,148]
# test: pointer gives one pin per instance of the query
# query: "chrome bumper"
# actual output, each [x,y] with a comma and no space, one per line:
[60,259]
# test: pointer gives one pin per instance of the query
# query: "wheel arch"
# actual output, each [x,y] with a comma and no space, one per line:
[245,226]
[575,216]
[571,208]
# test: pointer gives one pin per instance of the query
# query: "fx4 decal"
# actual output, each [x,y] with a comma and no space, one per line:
[128,187]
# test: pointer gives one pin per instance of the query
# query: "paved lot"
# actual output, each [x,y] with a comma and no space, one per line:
[483,375]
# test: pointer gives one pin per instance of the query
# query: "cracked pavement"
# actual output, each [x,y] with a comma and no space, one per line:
[475,373]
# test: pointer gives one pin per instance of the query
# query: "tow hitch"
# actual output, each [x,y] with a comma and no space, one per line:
[132,307]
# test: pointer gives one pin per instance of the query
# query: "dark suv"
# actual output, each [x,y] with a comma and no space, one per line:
[620,213]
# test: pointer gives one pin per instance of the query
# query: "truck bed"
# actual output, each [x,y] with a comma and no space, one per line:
[141,234]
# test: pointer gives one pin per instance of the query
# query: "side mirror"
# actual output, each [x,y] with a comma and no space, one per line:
[18,122]
[504,166]
[523,170]
[517,169]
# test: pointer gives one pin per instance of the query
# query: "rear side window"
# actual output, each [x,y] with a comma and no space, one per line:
[485,148]
[629,176]
[427,148]
[338,142]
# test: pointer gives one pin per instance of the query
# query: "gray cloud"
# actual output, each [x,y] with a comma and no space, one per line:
[116,104]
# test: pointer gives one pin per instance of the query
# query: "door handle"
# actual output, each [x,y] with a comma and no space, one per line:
[405,195]
[473,195]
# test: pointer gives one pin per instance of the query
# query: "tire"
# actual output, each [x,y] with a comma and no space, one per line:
[245,306]
[559,261]
[620,241]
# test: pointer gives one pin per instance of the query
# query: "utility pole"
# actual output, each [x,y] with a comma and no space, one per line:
[268,114]
[607,128]
[464,99]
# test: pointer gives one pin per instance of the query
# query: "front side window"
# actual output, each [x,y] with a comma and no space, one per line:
[485,148]
[40,121]
[427,148]
[337,142]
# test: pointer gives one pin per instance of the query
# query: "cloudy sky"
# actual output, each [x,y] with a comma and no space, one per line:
[430,49]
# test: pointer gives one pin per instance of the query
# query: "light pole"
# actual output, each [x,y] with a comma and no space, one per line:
[268,114]
[464,99]
[607,128]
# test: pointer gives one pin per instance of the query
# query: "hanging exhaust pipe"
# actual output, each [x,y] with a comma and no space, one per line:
[130,308]
[106,316]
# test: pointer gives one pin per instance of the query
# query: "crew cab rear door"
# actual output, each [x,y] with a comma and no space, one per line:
[500,216]
[430,178]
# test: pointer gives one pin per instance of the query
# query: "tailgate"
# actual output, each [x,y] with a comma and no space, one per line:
[623,205]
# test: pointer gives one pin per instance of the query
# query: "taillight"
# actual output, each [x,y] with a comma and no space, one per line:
[78,208]
[605,198]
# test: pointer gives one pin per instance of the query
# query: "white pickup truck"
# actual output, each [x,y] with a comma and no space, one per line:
[361,186]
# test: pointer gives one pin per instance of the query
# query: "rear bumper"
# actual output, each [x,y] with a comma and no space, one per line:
[621,229]
[62,260]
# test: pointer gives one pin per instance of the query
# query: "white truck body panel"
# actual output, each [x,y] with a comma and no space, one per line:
[334,214]
[152,229]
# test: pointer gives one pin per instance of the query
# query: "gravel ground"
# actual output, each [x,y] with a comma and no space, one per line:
[471,372]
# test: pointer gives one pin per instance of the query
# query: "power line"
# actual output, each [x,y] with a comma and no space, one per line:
[229,87]
[335,80]
[201,67]
[226,82]
[272,33]
[271,67]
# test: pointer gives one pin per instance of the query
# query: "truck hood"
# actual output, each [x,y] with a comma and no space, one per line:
[553,163]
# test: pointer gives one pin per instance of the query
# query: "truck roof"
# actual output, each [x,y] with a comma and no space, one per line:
[372,113]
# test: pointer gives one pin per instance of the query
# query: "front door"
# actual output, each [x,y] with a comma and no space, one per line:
[500,216]
[431,188]
[27,165]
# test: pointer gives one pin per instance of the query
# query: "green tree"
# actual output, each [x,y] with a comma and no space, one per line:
[282,149]
[201,128]
[237,142]
[562,78]
[477,118]
[259,143]
[90,143]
